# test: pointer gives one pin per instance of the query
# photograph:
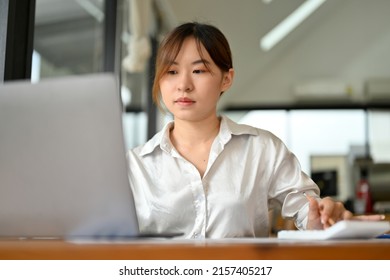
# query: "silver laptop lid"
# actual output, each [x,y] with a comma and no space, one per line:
[63,167]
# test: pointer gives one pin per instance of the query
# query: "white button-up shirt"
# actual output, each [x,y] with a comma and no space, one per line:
[249,171]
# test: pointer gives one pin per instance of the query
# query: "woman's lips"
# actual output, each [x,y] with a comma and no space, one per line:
[184,101]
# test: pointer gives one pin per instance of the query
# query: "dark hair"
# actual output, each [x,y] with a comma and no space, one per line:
[213,40]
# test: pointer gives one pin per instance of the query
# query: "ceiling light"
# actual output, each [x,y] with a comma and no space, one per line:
[92,9]
[289,23]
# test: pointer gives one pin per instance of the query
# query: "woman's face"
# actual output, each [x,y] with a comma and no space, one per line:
[189,89]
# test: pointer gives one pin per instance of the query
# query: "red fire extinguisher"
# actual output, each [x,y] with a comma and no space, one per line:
[363,192]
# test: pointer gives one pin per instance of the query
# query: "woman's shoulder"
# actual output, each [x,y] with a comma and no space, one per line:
[236,128]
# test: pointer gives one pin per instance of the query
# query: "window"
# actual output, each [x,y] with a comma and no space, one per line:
[68,38]
[308,132]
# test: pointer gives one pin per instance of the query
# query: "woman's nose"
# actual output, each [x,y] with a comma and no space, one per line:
[185,83]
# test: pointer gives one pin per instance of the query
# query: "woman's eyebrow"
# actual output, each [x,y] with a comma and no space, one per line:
[201,61]
[196,62]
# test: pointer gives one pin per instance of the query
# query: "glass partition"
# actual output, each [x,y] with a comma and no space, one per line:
[68,38]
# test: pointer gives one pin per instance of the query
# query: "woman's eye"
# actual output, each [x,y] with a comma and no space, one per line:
[199,71]
[172,72]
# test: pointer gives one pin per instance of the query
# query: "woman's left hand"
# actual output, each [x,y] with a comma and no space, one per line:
[326,212]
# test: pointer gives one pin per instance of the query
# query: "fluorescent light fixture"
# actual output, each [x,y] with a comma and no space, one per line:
[35,67]
[91,9]
[289,23]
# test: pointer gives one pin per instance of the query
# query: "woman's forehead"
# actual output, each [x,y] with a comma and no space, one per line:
[194,48]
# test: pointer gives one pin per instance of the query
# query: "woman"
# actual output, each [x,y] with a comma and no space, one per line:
[205,175]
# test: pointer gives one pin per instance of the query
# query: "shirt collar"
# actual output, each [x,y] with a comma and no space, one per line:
[227,129]
[160,139]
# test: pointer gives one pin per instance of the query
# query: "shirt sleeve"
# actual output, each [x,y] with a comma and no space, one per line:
[288,183]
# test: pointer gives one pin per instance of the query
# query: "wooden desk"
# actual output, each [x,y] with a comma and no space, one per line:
[271,249]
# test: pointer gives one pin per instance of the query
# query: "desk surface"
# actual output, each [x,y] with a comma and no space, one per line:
[272,249]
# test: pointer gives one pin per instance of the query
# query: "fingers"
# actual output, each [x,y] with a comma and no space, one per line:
[369,217]
[347,215]
[332,212]
[330,222]
[318,214]
[327,212]
[314,214]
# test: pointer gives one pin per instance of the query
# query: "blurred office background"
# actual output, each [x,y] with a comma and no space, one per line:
[323,86]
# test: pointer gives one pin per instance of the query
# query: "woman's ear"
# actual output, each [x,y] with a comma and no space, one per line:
[227,80]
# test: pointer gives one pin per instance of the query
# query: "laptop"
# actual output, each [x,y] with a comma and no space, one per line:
[63,167]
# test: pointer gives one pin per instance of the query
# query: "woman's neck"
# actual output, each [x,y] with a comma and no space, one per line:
[193,140]
[195,133]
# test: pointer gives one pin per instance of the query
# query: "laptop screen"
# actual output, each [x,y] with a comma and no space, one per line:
[63,169]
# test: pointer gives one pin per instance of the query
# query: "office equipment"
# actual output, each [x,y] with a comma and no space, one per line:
[63,170]
[326,180]
[337,185]
[379,179]
[347,229]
